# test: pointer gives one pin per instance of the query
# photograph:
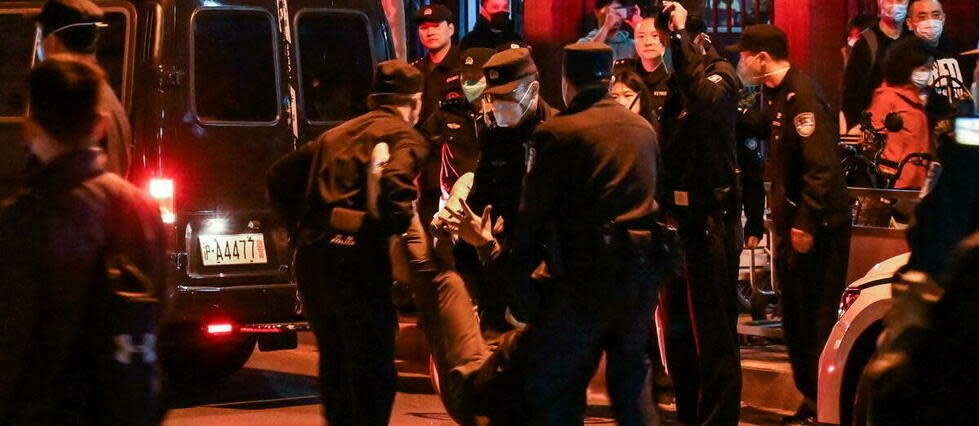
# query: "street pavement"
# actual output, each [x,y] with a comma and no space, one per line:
[280,388]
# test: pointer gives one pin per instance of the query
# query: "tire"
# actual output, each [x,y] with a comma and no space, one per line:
[192,356]
[863,351]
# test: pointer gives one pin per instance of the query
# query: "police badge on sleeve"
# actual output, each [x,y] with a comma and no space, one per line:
[805,124]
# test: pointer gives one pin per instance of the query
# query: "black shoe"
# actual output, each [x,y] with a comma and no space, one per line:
[799,420]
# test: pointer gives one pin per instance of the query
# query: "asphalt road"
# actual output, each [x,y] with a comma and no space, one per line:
[280,388]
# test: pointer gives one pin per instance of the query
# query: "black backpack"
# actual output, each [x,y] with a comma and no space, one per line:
[127,315]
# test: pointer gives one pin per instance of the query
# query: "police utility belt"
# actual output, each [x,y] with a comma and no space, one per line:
[711,199]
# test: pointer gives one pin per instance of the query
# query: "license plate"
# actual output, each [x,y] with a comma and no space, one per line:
[239,249]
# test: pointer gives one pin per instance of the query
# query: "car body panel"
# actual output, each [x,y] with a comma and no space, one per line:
[868,309]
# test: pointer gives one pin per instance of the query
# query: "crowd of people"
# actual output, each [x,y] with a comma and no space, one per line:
[533,241]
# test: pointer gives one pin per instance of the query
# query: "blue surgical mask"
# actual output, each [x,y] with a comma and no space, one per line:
[897,12]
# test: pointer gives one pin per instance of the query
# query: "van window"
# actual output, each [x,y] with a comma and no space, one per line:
[234,66]
[17,33]
[335,63]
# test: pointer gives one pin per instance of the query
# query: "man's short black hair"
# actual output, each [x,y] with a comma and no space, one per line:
[57,14]
[902,58]
[602,3]
[862,21]
[912,2]
[65,94]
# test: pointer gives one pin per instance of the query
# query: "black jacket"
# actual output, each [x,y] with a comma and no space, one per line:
[340,157]
[808,190]
[752,150]
[482,35]
[698,124]
[440,79]
[590,165]
[53,241]
[502,166]
[656,82]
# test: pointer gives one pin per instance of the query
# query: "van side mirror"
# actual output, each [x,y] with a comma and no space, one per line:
[169,76]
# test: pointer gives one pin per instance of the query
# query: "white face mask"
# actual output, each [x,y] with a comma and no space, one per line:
[510,113]
[929,30]
[744,73]
[895,12]
[921,79]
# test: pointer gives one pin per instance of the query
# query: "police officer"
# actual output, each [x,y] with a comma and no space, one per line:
[699,163]
[513,93]
[649,63]
[454,128]
[440,68]
[440,65]
[809,202]
[341,229]
[590,199]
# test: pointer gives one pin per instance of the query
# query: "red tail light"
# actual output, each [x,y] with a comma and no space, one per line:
[162,190]
[219,328]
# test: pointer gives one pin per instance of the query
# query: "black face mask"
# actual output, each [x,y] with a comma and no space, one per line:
[499,20]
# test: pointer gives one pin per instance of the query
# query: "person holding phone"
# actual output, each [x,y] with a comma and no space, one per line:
[610,16]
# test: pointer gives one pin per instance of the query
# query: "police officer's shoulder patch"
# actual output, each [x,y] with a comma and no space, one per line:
[805,124]
[715,78]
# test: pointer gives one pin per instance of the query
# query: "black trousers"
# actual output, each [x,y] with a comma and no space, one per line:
[603,303]
[701,328]
[347,300]
[811,287]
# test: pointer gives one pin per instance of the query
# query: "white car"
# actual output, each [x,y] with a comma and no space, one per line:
[854,340]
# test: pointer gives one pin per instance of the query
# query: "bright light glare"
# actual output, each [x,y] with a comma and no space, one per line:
[161,188]
[215,226]
[218,328]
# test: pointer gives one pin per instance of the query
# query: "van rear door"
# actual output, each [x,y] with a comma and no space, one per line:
[336,48]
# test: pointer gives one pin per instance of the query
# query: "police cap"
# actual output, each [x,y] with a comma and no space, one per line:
[763,38]
[586,63]
[473,60]
[397,77]
[506,69]
[433,13]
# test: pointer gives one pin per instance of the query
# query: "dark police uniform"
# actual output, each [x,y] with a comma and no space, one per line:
[442,79]
[656,81]
[808,193]
[344,273]
[498,182]
[453,131]
[587,207]
[699,163]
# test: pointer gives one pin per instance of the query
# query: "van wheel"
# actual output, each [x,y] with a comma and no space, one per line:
[863,351]
[192,356]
